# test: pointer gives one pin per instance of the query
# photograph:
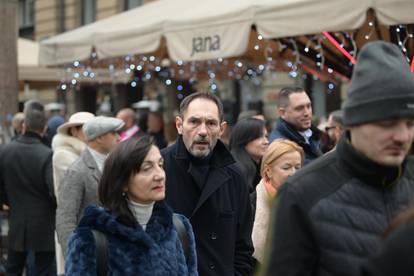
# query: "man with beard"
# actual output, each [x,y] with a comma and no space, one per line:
[295,122]
[205,184]
[330,215]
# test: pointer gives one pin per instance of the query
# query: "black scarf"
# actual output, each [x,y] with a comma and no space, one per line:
[364,168]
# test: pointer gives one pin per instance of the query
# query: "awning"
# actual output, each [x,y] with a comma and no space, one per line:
[200,30]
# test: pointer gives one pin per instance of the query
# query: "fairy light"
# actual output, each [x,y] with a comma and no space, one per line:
[372,27]
[402,43]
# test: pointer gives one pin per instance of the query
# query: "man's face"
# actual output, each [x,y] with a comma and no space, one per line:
[385,142]
[200,127]
[108,141]
[298,112]
[129,122]
[333,130]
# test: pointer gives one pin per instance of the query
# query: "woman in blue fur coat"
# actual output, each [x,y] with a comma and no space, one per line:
[137,223]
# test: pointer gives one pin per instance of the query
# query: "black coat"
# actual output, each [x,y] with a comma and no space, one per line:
[396,256]
[331,214]
[27,181]
[220,214]
[283,130]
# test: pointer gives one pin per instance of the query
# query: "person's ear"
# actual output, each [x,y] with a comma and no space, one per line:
[179,124]
[223,126]
[281,111]
[267,173]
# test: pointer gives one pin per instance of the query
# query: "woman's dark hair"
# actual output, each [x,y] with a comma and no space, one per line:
[242,133]
[123,162]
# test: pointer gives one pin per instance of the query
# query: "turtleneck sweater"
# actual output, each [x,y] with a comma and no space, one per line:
[142,212]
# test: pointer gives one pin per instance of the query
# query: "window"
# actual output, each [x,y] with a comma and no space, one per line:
[88,11]
[26,13]
[130,4]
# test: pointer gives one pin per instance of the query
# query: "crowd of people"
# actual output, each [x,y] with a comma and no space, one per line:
[100,195]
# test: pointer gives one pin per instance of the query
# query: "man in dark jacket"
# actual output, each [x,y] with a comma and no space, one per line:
[295,122]
[331,214]
[27,179]
[205,184]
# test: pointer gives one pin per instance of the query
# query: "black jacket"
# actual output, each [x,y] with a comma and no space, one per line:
[220,214]
[330,215]
[396,256]
[27,179]
[283,130]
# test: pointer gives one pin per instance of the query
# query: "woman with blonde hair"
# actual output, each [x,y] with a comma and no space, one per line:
[281,160]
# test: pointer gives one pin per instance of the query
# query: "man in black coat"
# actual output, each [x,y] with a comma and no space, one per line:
[205,184]
[27,180]
[331,214]
[295,122]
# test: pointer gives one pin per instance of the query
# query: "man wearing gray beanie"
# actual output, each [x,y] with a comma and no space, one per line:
[79,187]
[330,215]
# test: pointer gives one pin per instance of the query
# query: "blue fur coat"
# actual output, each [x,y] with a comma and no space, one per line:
[131,251]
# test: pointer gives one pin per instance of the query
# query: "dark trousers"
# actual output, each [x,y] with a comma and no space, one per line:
[44,263]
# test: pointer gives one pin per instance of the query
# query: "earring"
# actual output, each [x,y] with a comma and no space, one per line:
[123,194]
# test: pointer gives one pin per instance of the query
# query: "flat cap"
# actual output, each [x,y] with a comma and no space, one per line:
[101,125]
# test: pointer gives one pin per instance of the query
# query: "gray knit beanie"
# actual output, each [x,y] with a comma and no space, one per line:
[382,86]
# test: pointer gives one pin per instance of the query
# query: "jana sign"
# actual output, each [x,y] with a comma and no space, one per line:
[205,44]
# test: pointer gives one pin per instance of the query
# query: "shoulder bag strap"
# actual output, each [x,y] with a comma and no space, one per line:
[101,253]
[182,234]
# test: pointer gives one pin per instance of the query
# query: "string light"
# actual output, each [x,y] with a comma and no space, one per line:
[371,30]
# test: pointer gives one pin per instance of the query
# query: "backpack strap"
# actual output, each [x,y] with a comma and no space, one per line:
[182,234]
[101,253]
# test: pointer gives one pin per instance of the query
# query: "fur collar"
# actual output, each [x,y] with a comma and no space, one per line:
[65,141]
[159,226]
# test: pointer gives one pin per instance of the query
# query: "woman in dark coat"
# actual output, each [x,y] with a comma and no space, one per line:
[248,143]
[136,222]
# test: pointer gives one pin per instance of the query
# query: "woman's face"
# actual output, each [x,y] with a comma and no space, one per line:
[257,147]
[148,185]
[286,165]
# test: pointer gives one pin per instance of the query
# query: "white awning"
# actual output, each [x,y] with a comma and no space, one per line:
[199,30]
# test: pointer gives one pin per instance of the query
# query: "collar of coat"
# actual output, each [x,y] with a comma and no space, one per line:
[159,226]
[30,137]
[292,134]
[364,168]
[63,141]
[221,156]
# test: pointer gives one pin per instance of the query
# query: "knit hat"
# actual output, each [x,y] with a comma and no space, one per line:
[101,125]
[382,86]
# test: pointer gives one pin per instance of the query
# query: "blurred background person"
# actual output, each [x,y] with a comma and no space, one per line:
[250,114]
[335,126]
[135,220]
[130,129]
[248,143]
[27,181]
[56,114]
[155,124]
[281,160]
[17,124]
[67,146]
